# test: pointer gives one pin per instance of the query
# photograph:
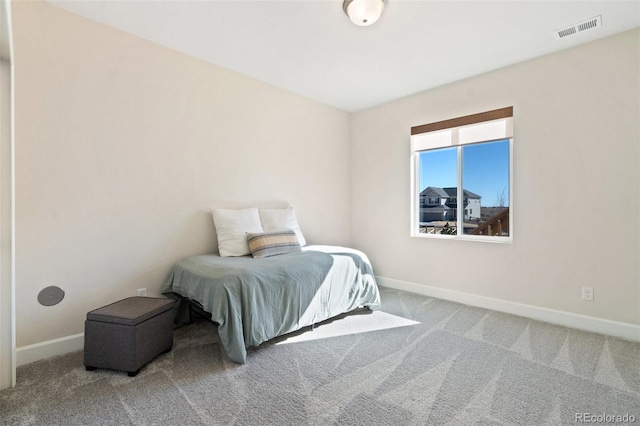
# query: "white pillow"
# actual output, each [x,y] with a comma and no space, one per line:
[232,227]
[276,220]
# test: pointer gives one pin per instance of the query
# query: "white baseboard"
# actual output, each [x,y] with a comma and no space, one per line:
[64,345]
[50,348]
[582,322]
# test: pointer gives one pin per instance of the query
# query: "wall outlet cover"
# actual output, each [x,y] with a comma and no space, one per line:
[587,293]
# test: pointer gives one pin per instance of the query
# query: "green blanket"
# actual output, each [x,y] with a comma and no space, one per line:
[254,300]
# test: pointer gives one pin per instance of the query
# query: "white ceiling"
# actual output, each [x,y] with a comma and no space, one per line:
[311,48]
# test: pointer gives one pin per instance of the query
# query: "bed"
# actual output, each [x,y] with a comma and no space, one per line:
[255,300]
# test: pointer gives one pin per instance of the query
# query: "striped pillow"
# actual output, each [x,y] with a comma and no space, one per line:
[272,243]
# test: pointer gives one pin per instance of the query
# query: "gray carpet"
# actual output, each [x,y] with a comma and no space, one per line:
[457,365]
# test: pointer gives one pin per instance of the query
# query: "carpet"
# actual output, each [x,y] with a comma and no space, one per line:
[420,361]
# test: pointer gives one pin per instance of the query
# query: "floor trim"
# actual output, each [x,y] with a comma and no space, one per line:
[50,348]
[582,322]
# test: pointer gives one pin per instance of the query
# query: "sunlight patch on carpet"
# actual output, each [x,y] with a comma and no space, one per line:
[351,324]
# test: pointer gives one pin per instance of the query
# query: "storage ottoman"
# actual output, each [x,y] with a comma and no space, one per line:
[127,334]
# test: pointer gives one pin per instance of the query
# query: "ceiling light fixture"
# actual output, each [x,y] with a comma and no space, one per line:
[364,12]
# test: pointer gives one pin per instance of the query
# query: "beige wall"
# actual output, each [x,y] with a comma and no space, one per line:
[122,148]
[576,183]
[123,145]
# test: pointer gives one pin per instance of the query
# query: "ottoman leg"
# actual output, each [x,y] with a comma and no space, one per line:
[133,373]
[88,368]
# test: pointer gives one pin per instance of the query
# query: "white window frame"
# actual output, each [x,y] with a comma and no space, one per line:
[472,132]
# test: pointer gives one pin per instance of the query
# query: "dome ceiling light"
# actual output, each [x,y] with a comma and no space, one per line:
[364,12]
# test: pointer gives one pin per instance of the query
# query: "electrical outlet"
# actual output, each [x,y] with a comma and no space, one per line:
[587,293]
[142,292]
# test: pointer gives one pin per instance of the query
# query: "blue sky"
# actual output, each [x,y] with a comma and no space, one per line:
[485,169]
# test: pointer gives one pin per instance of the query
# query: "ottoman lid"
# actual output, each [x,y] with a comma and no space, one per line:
[131,311]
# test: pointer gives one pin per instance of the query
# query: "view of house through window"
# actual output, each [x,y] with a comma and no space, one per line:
[485,189]
[462,178]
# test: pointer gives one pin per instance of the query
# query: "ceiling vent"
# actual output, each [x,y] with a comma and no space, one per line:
[589,24]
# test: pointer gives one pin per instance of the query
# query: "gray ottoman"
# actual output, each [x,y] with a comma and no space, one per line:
[126,335]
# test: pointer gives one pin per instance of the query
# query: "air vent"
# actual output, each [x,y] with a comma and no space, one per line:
[589,24]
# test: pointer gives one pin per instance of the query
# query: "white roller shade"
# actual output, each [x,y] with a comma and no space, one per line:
[463,135]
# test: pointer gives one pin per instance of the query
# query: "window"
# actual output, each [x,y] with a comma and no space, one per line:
[467,163]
